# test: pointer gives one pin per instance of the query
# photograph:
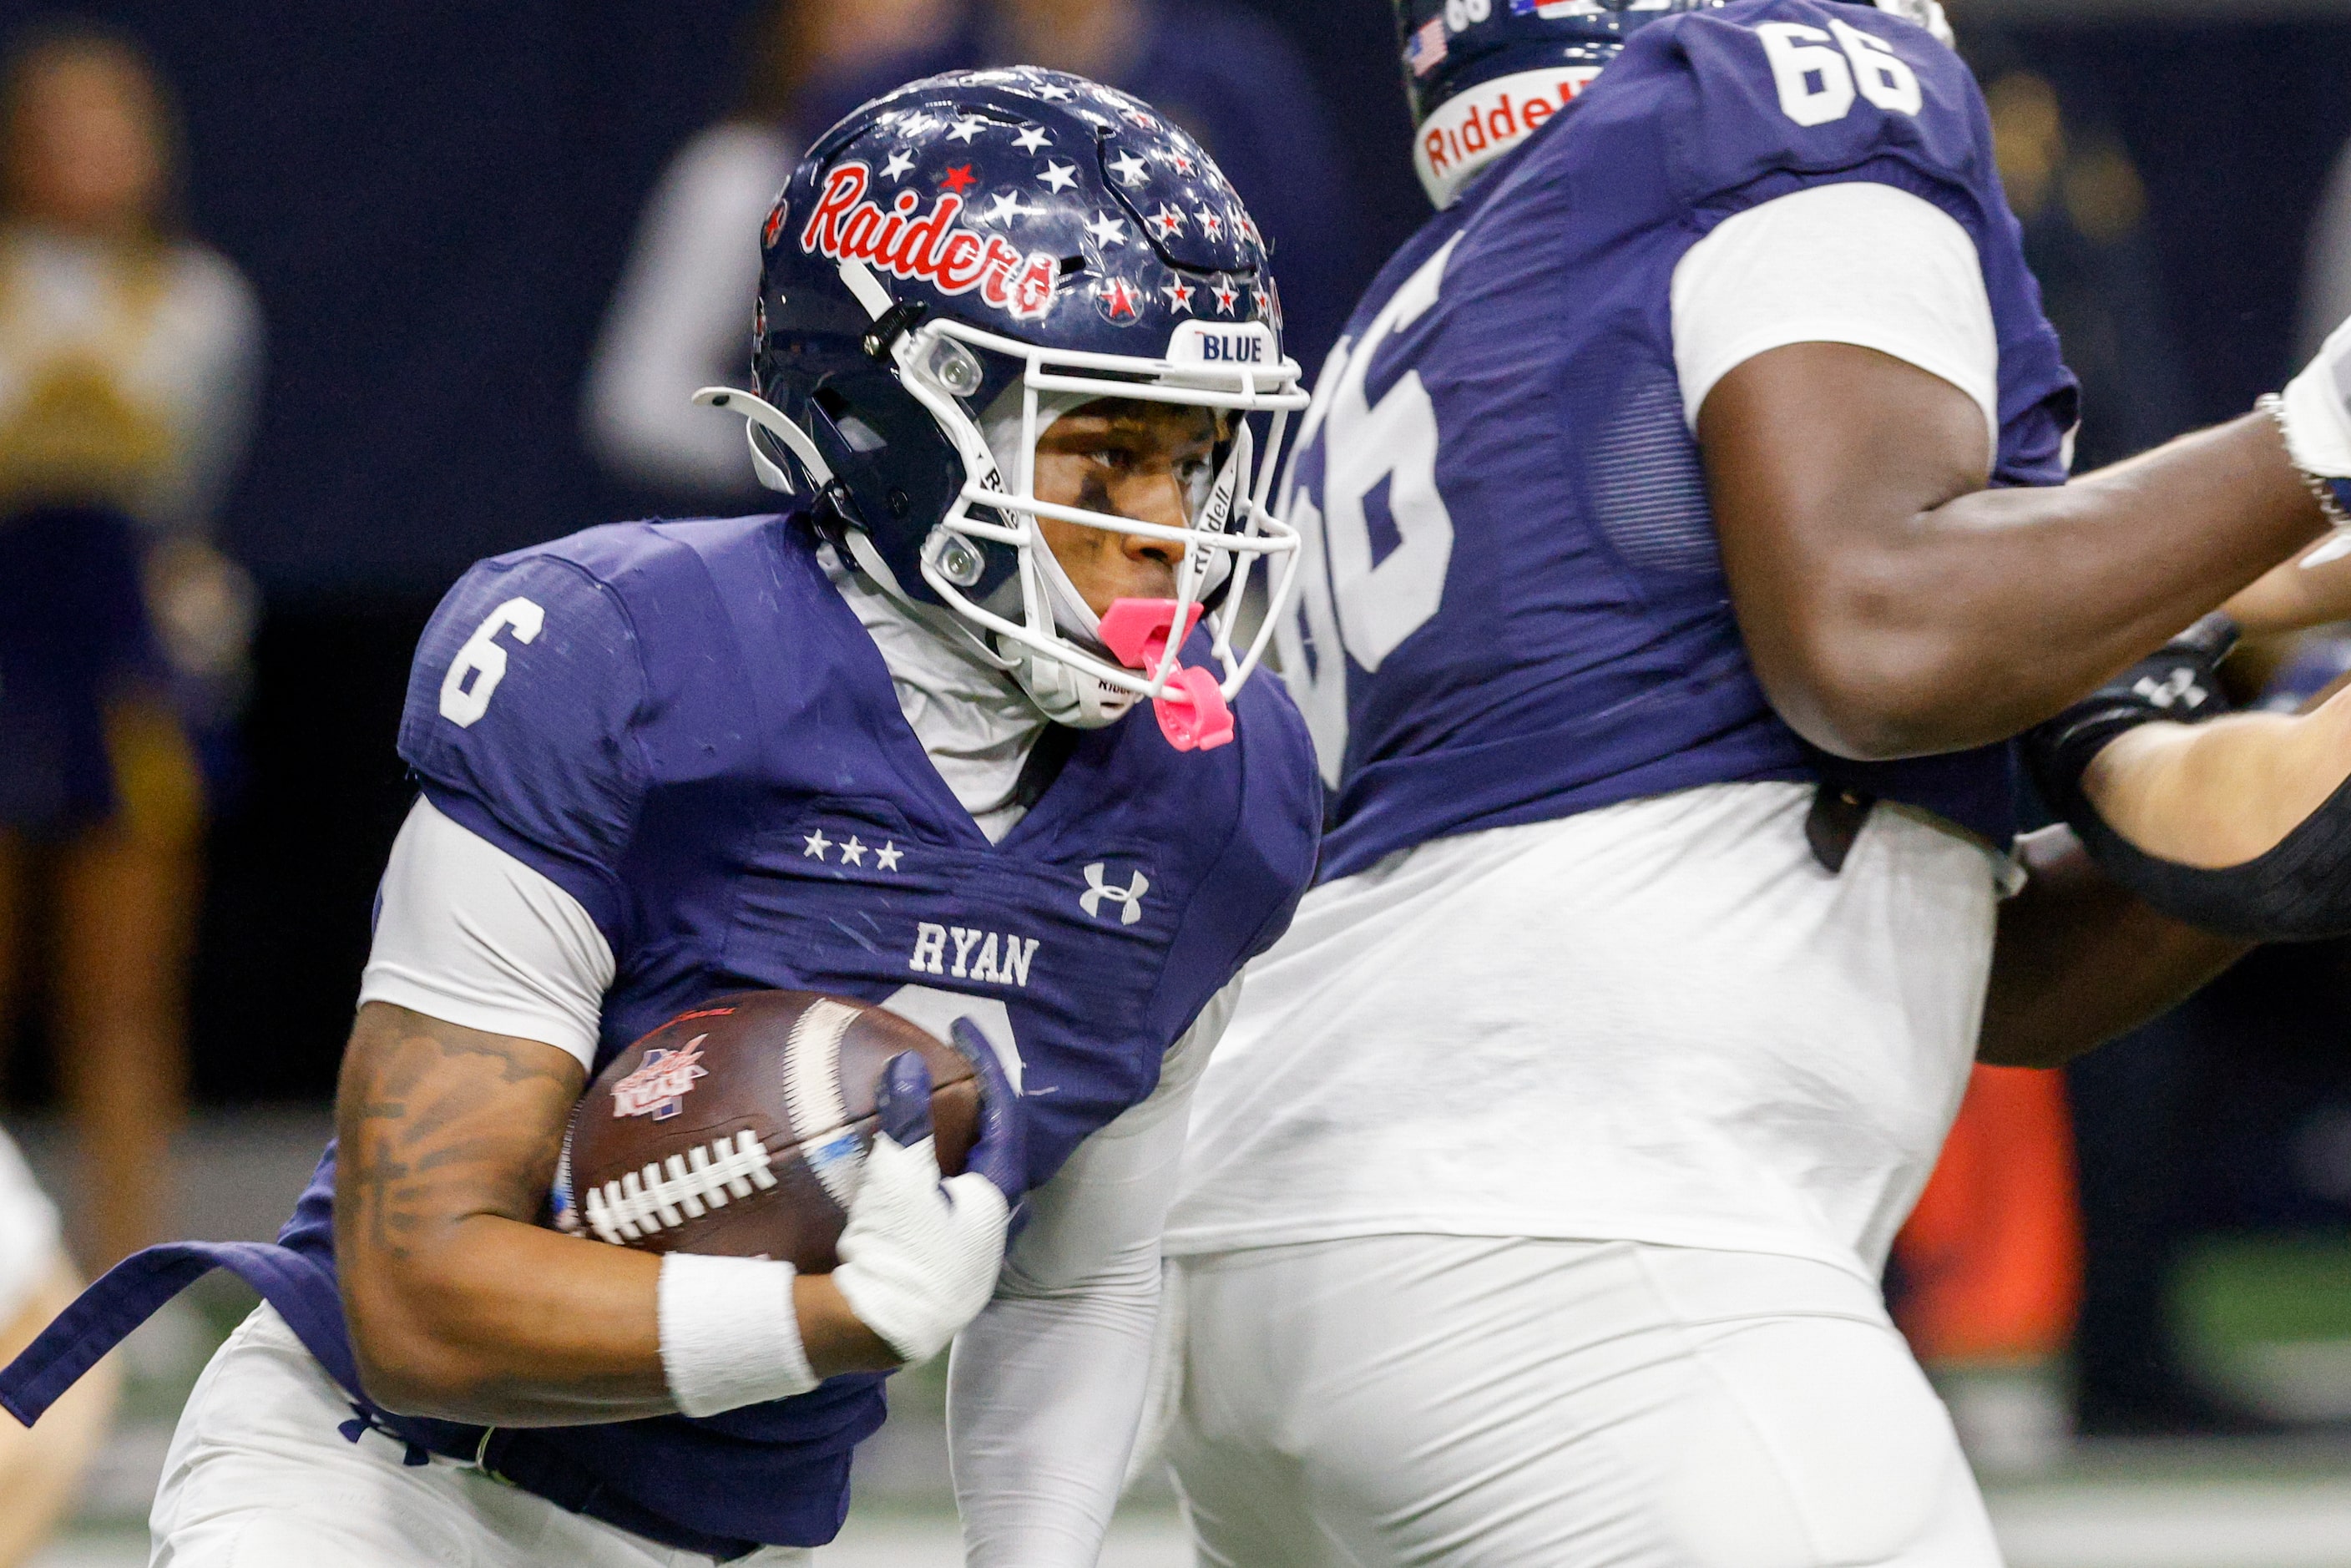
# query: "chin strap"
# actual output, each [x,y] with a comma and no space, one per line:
[1191,712]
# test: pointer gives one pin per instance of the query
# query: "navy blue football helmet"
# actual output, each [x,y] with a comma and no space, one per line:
[1481,74]
[956,264]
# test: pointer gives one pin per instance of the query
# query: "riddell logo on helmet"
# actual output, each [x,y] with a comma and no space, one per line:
[847,226]
[1485,119]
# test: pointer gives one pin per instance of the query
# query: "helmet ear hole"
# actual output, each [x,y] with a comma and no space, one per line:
[855,433]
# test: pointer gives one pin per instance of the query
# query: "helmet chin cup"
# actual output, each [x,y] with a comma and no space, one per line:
[1067,695]
[1191,708]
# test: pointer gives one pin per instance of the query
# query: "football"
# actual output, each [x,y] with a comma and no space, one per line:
[739,1129]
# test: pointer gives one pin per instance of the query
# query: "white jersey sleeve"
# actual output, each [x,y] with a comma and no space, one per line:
[467,934]
[1046,1388]
[1859,263]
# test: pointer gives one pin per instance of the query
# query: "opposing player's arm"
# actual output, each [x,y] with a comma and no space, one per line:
[2238,823]
[1894,607]
[2217,795]
[461,1304]
[2079,961]
[2312,589]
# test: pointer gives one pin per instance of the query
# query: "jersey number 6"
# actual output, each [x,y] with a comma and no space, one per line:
[473,676]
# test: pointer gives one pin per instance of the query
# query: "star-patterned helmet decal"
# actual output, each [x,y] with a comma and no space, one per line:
[1120,302]
[1016,187]
[1003,207]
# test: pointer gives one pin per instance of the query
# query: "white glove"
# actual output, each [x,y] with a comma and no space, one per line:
[920,1256]
[2318,411]
[2316,414]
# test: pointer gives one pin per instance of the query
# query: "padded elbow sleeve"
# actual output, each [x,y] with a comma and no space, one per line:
[2299,890]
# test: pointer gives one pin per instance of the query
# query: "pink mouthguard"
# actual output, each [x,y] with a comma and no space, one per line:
[1192,712]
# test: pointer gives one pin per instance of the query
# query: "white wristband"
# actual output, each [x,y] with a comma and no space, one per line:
[729,1334]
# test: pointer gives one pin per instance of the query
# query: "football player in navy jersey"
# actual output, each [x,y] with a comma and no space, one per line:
[1010,335]
[1687,534]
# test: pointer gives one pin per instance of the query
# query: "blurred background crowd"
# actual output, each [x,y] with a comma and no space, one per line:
[303,309]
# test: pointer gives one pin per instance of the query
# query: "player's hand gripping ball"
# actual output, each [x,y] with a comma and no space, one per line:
[743,1128]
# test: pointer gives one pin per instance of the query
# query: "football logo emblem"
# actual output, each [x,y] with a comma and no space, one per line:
[659,1086]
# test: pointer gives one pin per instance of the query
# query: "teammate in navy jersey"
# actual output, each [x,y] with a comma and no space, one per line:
[1685,543]
[879,744]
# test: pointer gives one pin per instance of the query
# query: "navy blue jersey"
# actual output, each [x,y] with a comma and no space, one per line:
[1514,608]
[686,727]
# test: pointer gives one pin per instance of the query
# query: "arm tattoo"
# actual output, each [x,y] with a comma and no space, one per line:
[440,1124]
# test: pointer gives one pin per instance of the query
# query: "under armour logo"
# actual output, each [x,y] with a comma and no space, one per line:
[1129,898]
[2178,687]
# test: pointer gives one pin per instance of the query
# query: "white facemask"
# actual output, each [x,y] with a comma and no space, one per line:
[1063,693]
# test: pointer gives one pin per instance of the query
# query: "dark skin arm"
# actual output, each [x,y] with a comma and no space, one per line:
[461,1305]
[2079,961]
[1894,607]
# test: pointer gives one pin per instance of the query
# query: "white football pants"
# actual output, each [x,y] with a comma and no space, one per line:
[258,1477]
[1505,1403]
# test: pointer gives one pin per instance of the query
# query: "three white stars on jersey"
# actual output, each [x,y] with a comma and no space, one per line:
[853,850]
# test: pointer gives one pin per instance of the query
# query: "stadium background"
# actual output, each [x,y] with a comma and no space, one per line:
[434,203]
